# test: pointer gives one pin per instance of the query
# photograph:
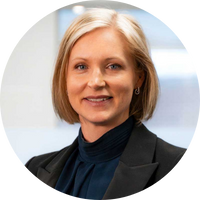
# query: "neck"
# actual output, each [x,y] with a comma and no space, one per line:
[93,131]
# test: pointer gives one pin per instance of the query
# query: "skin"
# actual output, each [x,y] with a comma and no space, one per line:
[99,64]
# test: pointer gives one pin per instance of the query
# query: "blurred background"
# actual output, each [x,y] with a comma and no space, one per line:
[26,107]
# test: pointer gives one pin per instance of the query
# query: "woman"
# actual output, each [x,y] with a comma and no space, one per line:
[105,79]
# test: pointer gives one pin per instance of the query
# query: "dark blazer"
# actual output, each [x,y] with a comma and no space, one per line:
[145,160]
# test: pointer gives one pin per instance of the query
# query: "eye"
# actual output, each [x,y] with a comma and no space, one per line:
[77,66]
[80,65]
[118,66]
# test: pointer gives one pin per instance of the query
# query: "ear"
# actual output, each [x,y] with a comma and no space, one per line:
[140,79]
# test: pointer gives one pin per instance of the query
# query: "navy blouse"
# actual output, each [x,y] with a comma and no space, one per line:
[90,168]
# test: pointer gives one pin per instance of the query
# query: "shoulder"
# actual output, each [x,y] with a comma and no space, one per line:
[42,160]
[167,155]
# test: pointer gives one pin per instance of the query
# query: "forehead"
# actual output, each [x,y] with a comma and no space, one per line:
[102,41]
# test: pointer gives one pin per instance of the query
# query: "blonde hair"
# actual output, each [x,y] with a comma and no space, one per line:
[143,105]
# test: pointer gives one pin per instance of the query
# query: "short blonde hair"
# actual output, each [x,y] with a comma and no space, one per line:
[143,105]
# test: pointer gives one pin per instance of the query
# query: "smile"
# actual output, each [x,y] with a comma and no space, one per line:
[98,101]
[102,99]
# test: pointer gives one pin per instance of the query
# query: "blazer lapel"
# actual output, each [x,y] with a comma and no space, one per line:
[127,180]
[135,167]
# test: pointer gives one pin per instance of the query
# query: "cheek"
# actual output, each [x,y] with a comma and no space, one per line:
[124,91]
[73,86]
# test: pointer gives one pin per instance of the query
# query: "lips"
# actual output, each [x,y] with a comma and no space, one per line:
[98,102]
[98,97]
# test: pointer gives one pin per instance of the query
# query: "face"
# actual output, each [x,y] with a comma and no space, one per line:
[101,77]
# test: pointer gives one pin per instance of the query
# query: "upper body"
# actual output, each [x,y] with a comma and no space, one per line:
[103,76]
[145,160]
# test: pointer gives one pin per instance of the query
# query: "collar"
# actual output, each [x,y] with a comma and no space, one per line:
[107,147]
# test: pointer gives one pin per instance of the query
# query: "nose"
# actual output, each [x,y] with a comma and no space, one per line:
[96,80]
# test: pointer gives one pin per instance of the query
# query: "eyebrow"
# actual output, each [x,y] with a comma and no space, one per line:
[107,59]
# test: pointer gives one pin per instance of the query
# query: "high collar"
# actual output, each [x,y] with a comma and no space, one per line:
[108,146]
[132,174]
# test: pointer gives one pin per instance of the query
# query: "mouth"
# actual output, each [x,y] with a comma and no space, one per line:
[98,99]
[99,102]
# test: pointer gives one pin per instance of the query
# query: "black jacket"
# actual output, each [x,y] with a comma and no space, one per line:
[145,160]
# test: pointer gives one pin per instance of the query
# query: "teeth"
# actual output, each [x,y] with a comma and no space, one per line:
[102,99]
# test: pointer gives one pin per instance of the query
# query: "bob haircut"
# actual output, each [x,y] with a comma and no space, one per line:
[143,105]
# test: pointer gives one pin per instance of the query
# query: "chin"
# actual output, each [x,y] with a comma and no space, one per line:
[98,120]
